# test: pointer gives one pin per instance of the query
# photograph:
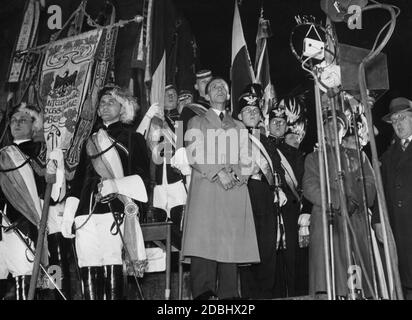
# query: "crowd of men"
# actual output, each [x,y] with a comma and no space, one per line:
[244,200]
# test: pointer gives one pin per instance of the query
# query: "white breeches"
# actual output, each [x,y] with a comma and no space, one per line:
[13,256]
[95,244]
[167,196]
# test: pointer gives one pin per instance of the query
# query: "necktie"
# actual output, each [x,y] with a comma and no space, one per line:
[221,116]
[405,144]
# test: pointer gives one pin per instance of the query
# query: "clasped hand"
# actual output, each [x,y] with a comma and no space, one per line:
[228,178]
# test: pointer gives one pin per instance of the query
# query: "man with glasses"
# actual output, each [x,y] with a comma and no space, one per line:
[258,280]
[288,215]
[397,182]
[23,185]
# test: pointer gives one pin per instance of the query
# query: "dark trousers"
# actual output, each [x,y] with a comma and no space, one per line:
[285,283]
[407,293]
[258,280]
[217,277]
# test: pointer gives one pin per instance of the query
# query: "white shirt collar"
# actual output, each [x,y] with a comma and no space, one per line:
[219,111]
[21,141]
[409,138]
[107,124]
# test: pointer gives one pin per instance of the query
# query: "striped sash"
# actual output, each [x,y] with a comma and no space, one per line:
[264,162]
[289,175]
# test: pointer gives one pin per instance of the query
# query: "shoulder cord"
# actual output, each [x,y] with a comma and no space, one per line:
[119,216]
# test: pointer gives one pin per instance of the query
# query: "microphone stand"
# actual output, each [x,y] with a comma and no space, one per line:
[342,193]
[395,287]
[365,204]
[326,228]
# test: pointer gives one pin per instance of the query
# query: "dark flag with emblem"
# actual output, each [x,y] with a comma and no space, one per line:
[241,73]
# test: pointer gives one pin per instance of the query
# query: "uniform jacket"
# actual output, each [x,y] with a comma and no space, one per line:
[173,175]
[312,191]
[188,113]
[132,150]
[219,223]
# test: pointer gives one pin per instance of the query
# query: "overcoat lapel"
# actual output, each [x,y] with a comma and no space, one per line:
[214,120]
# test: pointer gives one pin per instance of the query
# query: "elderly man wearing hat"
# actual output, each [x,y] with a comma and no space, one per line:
[353,192]
[201,105]
[396,172]
[258,280]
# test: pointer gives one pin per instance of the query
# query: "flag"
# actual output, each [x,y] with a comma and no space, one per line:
[241,73]
[162,16]
[262,68]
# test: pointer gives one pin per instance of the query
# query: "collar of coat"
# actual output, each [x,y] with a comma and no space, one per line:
[227,123]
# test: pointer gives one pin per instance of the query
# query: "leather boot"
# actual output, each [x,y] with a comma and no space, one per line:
[22,287]
[3,288]
[93,283]
[176,215]
[60,249]
[113,278]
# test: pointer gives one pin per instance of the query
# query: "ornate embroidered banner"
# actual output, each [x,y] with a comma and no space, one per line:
[104,57]
[66,78]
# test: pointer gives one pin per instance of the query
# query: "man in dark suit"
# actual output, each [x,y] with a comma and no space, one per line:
[397,182]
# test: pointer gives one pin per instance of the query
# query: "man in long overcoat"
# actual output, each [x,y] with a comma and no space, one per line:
[397,182]
[353,192]
[219,231]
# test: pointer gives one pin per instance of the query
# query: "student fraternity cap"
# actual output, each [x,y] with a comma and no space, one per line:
[203,74]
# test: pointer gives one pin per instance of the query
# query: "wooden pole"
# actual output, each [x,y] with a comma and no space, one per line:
[40,238]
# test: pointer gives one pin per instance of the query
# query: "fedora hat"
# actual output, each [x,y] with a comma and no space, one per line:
[398,105]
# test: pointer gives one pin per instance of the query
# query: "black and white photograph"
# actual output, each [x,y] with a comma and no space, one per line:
[205,155]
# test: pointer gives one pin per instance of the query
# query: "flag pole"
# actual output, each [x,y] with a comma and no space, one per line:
[41,235]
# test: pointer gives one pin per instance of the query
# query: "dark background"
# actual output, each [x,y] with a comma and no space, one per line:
[211,22]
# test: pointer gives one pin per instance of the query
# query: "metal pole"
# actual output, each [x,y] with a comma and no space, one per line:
[326,248]
[390,257]
[342,193]
[365,205]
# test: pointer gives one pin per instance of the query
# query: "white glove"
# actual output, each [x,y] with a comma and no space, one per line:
[107,187]
[132,187]
[144,125]
[70,209]
[180,162]
[304,220]
[282,198]
[59,187]
[304,223]
[154,110]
